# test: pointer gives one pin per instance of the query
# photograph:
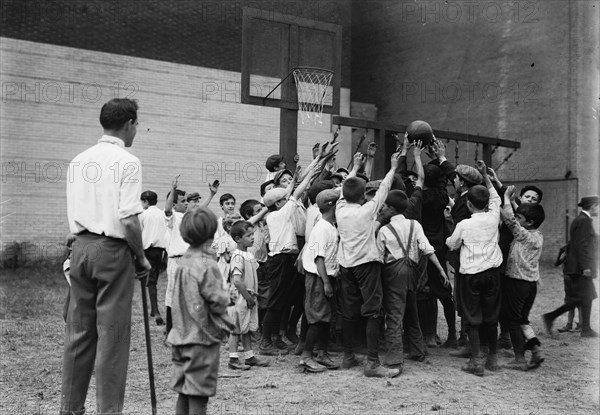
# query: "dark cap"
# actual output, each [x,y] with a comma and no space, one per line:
[588,201]
[327,198]
[469,174]
[193,196]
[317,187]
[273,161]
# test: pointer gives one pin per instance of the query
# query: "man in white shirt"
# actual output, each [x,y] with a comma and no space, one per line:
[154,238]
[103,204]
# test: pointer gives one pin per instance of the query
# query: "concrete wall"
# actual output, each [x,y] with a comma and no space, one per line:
[524,71]
[191,122]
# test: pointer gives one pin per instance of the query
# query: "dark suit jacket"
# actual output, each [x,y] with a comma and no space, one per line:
[582,247]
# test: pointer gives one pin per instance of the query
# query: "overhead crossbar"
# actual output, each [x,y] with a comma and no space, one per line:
[381,128]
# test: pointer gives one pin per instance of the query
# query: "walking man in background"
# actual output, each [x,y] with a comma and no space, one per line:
[103,203]
[581,266]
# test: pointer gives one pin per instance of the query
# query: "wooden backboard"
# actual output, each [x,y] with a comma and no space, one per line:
[273,44]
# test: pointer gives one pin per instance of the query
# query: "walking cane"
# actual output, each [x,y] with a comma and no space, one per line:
[142,277]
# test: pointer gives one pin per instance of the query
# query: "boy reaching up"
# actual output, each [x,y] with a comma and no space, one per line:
[480,257]
[522,271]
[360,265]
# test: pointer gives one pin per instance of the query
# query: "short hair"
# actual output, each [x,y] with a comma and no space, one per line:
[264,186]
[178,192]
[534,189]
[479,196]
[229,220]
[225,198]
[353,189]
[247,208]
[533,212]
[116,112]
[198,226]
[398,200]
[150,197]
[239,228]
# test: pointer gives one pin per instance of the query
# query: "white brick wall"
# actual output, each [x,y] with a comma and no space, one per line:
[191,122]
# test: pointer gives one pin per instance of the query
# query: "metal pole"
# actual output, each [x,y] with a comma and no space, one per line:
[142,277]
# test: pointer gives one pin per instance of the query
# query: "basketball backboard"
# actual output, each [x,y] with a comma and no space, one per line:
[273,44]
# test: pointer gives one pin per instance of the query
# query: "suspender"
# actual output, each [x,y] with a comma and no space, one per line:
[410,234]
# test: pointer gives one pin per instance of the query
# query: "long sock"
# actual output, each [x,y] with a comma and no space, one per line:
[492,338]
[285,317]
[153,299]
[297,313]
[182,405]
[323,341]
[198,405]
[516,337]
[571,317]
[169,320]
[474,341]
[270,324]
[586,312]
[450,315]
[312,336]
[303,327]
[373,325]
[347,336]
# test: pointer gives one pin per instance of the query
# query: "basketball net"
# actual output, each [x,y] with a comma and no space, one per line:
[311,84]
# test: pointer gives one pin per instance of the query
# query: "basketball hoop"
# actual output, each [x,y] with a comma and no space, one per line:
[311,84]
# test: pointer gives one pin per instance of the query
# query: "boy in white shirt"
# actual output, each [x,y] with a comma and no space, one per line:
[319,259]
[360,265]
[283,250]
[480,257]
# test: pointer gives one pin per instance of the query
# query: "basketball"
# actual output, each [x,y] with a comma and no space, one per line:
[420,130]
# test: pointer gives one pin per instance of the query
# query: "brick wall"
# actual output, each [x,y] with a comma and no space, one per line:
[191,122]
[524,71]
[206,33]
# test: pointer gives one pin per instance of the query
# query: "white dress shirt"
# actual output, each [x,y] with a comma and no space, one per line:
[323,242]
[154,228]
[177,246]
[356,225]
[477,238]
[104,184]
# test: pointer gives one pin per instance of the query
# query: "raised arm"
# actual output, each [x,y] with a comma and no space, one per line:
[258,217]
[359,160]
[171,198]
[304,184]
[417,150]
[213,188]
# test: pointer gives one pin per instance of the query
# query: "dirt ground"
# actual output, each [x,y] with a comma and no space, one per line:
[31,331]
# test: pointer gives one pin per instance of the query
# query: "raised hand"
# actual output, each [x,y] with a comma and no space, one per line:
[439,148]
[359,160]
[417,149]
[481,167]
[214,187]
[174,183]
[395,160]
[509,193]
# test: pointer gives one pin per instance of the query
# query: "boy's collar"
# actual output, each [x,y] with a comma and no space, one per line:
[112,140]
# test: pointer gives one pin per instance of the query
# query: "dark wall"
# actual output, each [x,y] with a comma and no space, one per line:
[194,32]
[490,68]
